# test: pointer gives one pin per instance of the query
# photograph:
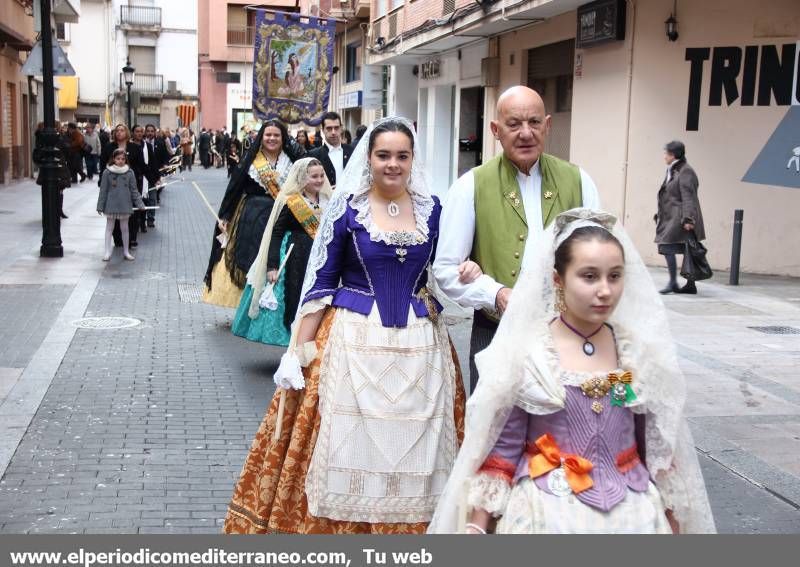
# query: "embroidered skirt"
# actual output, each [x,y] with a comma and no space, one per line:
[270,496]
[269,327]
[533,511]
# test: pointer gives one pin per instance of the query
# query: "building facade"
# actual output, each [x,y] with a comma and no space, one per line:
[158,37]
[226,62]
[226,34]
[618,89]
[16,40]
[20,100]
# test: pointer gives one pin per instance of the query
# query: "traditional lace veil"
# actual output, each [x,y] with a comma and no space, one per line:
[296,180]
[514,371]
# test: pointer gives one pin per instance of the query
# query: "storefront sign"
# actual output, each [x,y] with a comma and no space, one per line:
[600,22]
[148,109]
[766,73]
[430,69]
[350,100]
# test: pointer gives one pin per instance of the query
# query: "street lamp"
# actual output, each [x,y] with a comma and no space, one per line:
[51,158]
[128,73]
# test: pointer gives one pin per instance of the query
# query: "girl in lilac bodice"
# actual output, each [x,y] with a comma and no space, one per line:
[579,427]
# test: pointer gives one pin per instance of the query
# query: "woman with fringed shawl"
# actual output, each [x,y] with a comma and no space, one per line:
[292,225]
[244,213]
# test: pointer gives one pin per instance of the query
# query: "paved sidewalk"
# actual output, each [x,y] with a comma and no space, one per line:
[145,429]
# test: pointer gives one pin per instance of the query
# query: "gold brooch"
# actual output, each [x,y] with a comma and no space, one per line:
[596,387]
[513,198]
[548,194]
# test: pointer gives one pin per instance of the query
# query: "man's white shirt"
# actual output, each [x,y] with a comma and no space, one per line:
[457,231]
[336,155]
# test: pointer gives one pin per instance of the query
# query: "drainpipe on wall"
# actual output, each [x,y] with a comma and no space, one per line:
[490,95]
[632,27]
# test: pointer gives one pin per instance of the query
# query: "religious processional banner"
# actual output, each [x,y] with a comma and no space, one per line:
[292,66]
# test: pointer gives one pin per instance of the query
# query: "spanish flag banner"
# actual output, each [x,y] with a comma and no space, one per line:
[186,114]
[292,66]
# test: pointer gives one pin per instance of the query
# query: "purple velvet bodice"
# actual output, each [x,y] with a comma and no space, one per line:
[359,273]
[607,439]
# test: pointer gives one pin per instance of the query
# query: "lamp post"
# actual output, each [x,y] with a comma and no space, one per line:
[51,158]
[128,73]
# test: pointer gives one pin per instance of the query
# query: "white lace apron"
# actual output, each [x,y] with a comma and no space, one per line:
[387,437]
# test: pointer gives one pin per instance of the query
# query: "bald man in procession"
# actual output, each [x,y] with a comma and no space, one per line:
[494,213]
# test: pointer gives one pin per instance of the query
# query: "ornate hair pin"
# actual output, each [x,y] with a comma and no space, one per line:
[601,218]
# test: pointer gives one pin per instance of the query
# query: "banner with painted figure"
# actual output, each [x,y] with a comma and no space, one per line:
[292,66]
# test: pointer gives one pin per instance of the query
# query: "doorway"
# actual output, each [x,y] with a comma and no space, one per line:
[470,130]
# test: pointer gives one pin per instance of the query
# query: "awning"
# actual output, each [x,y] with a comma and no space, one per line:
[67,92]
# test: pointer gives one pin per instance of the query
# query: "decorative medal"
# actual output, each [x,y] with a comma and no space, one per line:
[401,254]
[621,390]
[393,209]
[618,392]
[557,482]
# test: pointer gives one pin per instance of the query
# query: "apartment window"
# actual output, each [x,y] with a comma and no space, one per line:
[143,59]
[380,8]
[396,3]
[62,32]
[353,57]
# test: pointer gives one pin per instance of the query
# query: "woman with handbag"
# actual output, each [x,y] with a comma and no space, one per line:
[679,215]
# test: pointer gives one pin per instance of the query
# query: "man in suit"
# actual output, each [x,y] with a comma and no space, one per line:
[143,163]
[204,147]
[333,154]
[157,150]
[678,213]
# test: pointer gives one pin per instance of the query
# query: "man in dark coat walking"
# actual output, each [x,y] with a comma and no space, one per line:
[678,213]
[204,147]
[333,154]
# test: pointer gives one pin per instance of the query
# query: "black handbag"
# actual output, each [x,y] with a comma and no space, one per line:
[695,266]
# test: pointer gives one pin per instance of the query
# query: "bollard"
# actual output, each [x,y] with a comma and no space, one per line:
[736,249]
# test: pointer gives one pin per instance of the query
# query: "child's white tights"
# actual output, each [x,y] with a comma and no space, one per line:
[123,225]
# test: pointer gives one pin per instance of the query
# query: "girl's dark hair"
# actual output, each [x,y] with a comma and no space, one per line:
[582,234]
[115,153]
[389,126]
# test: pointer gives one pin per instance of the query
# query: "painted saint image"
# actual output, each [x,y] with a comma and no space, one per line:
[292,66]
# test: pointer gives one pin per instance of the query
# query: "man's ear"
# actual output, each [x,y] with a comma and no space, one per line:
[494,126]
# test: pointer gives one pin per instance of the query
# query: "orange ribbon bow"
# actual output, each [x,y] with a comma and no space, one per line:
[625,378]
[549,458]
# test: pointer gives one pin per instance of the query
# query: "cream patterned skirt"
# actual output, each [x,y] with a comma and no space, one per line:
[532,511]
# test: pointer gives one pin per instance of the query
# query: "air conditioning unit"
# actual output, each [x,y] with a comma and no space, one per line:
[172,87]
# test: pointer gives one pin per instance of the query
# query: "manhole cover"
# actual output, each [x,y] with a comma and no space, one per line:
[190,292]
[777,330]
[103,323]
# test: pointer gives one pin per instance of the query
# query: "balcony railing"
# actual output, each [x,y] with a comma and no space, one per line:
[144,83]
[140,16]
[241,35]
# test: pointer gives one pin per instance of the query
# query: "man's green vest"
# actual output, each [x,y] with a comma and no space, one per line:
[500,223]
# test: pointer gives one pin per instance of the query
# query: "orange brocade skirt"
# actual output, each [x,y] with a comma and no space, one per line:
[270,495]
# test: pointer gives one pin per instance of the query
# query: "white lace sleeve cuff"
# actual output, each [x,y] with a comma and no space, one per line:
[489,493]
